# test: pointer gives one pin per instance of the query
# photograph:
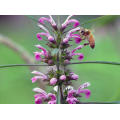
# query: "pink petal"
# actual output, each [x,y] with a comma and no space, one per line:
[81,56]
[38,56]
[71,100]
[35,78]
[42,48]
[52,96]
[85,91]
[84,85]
[74,76]
[65,40]
[50,38]
[39,36]
[67,22]
[77,48]
[49,20]
[38,101]
[43,19]
[76,22]
[39,90]
[71,93]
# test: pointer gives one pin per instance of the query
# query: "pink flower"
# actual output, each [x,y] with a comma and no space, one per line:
[70,35]
[84,85]
[77,48]
[81,56]
[50,38]
[85,91]
[39,75]
[53,81]
[69,21]
[74,76]
[52,98]
[72,100]
[38,55]
[42,96]
[49,20]
[63,77]
[71,95]
[45,53]
[35,78]
[72,31]
[77,38]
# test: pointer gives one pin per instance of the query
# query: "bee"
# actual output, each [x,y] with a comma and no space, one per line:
[86,34]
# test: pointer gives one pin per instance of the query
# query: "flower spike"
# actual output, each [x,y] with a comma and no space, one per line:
[56,56]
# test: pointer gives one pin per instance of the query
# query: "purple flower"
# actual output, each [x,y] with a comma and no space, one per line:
[71,96]
[69,21]
[42,96]
[53,81]
[81,56]
[45,53]
[84,85]
[77,38]
[39,75]
[49,20]
[70,35]
[35,78]
[63,77]
[52,98]
[74,76]
[85,91]
[72,100]
[50,38]
[77,48]
[73,31]
[38,55]
[71,93]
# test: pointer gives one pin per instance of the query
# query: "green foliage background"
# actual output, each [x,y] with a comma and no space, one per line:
[15,83]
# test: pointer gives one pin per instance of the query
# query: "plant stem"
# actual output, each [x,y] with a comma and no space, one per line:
[60,93]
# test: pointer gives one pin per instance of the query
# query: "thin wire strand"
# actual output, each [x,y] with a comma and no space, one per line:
[20,65]
[96,62]
[86,62]
[114,102]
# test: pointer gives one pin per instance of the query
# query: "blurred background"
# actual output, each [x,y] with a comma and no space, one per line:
[17,40]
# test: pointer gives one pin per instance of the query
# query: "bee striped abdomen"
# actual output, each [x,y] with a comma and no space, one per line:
[91,41]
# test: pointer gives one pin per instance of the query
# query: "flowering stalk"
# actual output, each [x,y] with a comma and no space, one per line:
[59,54]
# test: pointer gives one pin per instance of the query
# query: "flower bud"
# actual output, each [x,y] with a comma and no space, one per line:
[53,81]
[74,77]
[63,77]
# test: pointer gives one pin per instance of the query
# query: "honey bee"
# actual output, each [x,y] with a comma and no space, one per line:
[86,34]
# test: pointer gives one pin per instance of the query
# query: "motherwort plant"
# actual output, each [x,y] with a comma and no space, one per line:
[58,57]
